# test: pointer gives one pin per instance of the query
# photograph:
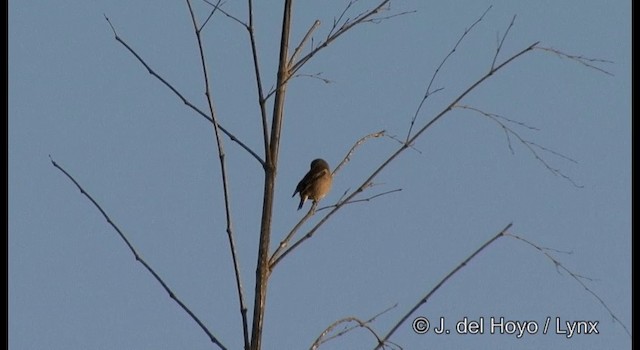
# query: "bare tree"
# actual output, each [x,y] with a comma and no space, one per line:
[292,58]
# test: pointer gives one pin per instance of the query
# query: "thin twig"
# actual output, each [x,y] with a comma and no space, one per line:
[358,143]
[579,278]
[180,96]
[495,57]
[262,102]
[424,299]
[428,91]
[528,144]
[314,76]
[338,29]
[138,258]
[217,7]
[285,242]
[586,61]
[298,49]
[368,199]
[396,139]
[363,17]
[225,181]
[322,338]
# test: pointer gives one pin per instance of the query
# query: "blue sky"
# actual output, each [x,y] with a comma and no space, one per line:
[151,162]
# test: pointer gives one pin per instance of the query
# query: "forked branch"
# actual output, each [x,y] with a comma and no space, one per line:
[585,61]
[428,91]
[529,145]
[356,323]
[180,95]
[578,278]
[340,26]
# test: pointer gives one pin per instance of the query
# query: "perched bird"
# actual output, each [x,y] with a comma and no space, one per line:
[316,183]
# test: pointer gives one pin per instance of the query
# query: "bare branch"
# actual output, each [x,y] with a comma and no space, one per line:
[216,6]
[339,27]
[296,52]
[256,70]
[577,277]
[358,143]
[225,181]
[314,76]
[552,152]
[585,61]
[337,21]
[396,139]
[368,199]
[445,279]
[230,16]
[378,20]
[285,242]
[177,93]
[495,57]
[322,338]
[428,91]
[528,144]
[365,17]
[138,258]
[343,28]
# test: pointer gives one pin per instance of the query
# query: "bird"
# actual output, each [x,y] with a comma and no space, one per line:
[316,183]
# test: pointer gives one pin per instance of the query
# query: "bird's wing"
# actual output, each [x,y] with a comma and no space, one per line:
[309,179]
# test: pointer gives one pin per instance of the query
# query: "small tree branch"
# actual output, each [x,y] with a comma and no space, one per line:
[578,278]
[262,102]
[232,17]
[314,76]
[322,338]
[256,68]
[585,61]
[530,145]
[225,181]
[180,96]
[495,57]
[339,27]
[358,143]
[424,299]
[285,242]
[368,199]
[215,8]
[401,142]
[138,258]
[296,52]
[345,27]
[428,91]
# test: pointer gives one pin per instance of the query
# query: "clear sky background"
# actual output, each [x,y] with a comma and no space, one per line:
[79,96]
